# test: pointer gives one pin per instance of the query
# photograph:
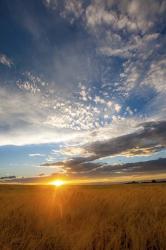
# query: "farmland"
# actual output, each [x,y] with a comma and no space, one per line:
[83,218]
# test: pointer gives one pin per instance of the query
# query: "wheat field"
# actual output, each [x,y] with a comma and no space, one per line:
[83,218]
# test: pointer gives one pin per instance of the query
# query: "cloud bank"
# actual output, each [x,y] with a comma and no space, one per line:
[150,138]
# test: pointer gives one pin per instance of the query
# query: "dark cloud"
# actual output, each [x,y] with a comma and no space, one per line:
[96,170]
[42,174]
[151,138]
[158,166]
[92,169]
[8,177]
[75,165]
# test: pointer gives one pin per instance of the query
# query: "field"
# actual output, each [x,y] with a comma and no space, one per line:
[83,218]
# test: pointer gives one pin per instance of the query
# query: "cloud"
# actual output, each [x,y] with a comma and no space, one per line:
[36,155]
[96,15]
[72,8]
[156,75]
[74,166]
[133,15]
[118,54]
[136,46]
[151,135]
[41,179]
[152,169]
[5,60]
[138,168]
[42,174]
[149,138]
[32,84]
[124,29]
[51,3]
[10,177]
[93,169]
[48,116]
[117,108]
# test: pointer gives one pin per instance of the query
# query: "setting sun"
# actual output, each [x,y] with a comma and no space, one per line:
[57,183]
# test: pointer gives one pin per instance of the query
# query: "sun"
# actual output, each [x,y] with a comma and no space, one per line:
[57,183]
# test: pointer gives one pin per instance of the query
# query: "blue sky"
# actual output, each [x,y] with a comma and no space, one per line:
[82,86]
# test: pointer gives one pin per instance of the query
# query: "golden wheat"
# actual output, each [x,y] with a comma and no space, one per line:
[83,218]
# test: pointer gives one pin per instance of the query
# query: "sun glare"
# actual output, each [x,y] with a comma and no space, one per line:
[57,183]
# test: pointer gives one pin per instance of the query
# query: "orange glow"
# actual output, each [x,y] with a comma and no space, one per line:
[57,183]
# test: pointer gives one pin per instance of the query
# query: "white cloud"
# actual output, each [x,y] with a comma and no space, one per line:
[136,46]
[36,155]
[117,107]
[98,99]
[51,3]
[31,83]
[42,119]
[34,122]
[133,15]
[109,104]
[38,112]
[5,60]
[96,14]
[72,7]
[156,76]
[69,9]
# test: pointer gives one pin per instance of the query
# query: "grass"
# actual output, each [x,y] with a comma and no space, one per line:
[83,218]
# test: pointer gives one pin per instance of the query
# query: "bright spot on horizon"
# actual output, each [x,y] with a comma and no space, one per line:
[57,183]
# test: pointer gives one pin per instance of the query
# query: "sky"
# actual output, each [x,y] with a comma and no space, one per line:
[82,90]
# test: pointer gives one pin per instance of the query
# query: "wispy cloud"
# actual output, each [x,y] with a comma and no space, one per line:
[5,60]
[36,155]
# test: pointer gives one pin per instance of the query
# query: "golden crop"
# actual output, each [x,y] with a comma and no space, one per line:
[83,218]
